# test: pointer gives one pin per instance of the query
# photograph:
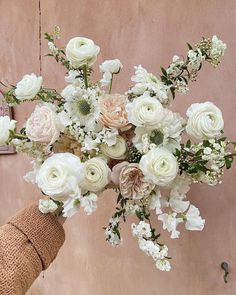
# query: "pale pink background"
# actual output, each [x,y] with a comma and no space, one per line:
[147,32]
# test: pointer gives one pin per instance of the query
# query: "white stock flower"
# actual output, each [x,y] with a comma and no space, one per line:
[205,120]
[47,206]
[97,175]
[73,78]
[60,175]
[6,124]
[170,222]
[81,51]
[116,151]
[193,219]
[44,124]
[89,203]
[71,207]
[159,166]
[28,87]
[145,111]
[112,66]
[148,82]
[155,202]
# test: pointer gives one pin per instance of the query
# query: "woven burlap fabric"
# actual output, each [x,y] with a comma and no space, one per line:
[29,242]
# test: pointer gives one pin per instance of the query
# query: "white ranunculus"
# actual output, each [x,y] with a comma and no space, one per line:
[44,124]
[47,206]
[193,219]
[81,51]
[6,124]
[60,175]
[204,120]
[159,166]
[97,175]
[28,87]
[145,111]
[112,66]
[116,151]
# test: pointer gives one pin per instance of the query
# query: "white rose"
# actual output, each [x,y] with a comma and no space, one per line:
[204,120]
[116,151]
[44,125]
[81,51]
[97,175]
[112,66]
[145,111]
[60,175]
[6,124]
[28,87]
[159,166]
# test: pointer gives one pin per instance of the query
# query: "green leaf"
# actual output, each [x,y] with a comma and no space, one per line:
[189,46]
[188,144]
[164,72]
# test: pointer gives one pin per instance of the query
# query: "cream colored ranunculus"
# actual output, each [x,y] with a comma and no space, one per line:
[116,151]
[204,120]
[60,176]
[81,51]
[97,175]
[159,166]
[145,111]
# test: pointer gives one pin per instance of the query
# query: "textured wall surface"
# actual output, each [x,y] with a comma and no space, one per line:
[147,32]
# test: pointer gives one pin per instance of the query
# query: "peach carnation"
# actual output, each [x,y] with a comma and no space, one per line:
[113,113]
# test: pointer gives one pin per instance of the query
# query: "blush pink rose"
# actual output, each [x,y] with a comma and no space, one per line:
[115,173]
[113,113]
[43,125]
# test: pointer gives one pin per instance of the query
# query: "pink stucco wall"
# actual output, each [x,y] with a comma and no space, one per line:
[146,32]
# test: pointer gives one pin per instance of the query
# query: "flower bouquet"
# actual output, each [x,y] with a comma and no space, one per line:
[86,140]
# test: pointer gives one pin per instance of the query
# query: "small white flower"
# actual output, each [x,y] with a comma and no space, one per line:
[163,265]
[73,78]
[89,203]
[145,111]
[155,202]
[207,151]
[205,120]
[142,230]
[47,206]
[218,48]
[6,124]
[28,87]
[194,220]
[81,51]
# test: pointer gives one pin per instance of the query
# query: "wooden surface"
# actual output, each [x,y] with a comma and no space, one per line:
[147,32]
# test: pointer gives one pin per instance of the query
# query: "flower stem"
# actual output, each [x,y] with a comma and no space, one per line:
[111,84]
[85,74]
[20,136]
